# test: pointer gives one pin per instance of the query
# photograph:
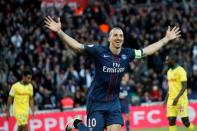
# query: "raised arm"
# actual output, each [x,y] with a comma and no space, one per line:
[170,35]
[67,40]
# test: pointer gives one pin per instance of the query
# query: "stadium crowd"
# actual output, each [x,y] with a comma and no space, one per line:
[58,73]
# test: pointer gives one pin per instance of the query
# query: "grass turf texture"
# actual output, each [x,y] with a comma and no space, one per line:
[165,129]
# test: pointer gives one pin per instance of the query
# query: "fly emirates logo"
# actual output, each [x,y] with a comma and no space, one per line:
[115,69]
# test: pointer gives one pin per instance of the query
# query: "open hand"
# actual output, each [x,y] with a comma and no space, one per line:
[173,33]
[52,25]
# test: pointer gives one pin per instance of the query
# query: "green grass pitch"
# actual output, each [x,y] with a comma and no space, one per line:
[165,129]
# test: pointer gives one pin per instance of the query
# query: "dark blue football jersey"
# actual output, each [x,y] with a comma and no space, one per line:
[109,70]
[124,91]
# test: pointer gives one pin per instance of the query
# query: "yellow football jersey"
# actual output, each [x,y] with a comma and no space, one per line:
[21,94]
[175,78]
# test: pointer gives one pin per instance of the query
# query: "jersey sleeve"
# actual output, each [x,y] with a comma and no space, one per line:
[182,75]
[91,49]
[12,91]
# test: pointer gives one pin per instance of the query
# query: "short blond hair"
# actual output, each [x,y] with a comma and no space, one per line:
[115,28]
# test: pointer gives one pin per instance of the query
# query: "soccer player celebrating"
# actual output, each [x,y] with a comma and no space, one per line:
[176,98]
[124,98]
[103,105]
[22,94]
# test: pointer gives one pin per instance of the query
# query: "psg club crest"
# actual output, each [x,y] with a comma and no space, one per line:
[123,57]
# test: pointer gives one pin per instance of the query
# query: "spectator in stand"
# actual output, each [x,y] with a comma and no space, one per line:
[79,99]
[17,40]
[146,98]
[155,94]
[49,100]
[67,103]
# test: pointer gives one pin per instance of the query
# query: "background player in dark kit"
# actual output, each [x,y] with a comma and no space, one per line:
[124,99]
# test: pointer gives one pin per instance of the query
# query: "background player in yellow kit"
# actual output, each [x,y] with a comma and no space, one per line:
[176,98]
[22,94]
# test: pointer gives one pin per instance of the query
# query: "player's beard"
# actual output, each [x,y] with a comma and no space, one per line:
[170,65]
[118,45]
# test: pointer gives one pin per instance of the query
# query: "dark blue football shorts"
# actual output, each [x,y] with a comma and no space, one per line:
[103,114]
